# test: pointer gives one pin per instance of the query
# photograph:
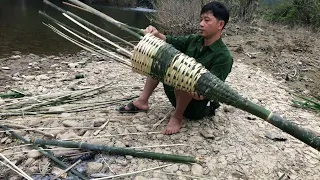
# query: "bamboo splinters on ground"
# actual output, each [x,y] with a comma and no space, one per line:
[155,58]
[117,150]
[25,127]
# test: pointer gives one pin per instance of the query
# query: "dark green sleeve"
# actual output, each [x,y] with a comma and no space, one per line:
[179,42]
[222,65]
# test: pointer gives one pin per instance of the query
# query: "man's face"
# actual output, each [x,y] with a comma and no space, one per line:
[209,25]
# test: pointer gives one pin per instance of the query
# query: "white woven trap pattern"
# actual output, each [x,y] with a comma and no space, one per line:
[184,72]
[144,51]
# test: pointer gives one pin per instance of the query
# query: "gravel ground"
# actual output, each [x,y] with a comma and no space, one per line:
[233,144]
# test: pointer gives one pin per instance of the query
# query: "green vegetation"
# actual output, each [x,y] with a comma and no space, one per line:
[181,17]
[308,103]
[294,12]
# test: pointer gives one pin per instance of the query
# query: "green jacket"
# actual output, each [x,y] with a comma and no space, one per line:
[216,57]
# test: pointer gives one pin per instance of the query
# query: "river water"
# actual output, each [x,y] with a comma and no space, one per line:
[21,27]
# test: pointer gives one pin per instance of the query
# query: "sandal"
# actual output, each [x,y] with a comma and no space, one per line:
[132,109]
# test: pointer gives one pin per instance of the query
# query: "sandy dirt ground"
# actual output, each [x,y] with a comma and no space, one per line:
[270,64]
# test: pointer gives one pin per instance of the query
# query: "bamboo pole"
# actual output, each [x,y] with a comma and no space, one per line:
[108,18]
[49,155]
[118,151]
[88,23]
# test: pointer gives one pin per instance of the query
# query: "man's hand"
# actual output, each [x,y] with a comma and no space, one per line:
[155,32]
[196,96]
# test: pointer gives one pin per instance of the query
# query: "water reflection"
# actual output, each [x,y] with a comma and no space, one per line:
[21,27]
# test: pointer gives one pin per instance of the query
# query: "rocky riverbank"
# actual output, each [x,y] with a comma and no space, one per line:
[233,144]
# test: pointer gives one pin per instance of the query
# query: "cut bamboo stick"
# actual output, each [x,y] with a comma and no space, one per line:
[101,128]
[164,118]
[155,146]
[113,135]
[25,127]
[66,170]
[68,128]
[183,175]
[118,151]
[14,166]
[52,149]
[55,128]
[12,147]
[13,169]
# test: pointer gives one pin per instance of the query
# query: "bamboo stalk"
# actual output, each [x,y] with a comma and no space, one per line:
[11,95]
[14,166]
[25,127]
[117,150]
[132,173]
[88,23]
[56,160]
[108,18]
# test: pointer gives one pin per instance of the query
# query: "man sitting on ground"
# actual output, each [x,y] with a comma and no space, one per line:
[208,49]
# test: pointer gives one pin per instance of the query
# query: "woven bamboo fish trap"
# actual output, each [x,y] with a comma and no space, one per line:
[155,58]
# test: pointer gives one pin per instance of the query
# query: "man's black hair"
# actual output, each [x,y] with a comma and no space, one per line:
[218,10]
